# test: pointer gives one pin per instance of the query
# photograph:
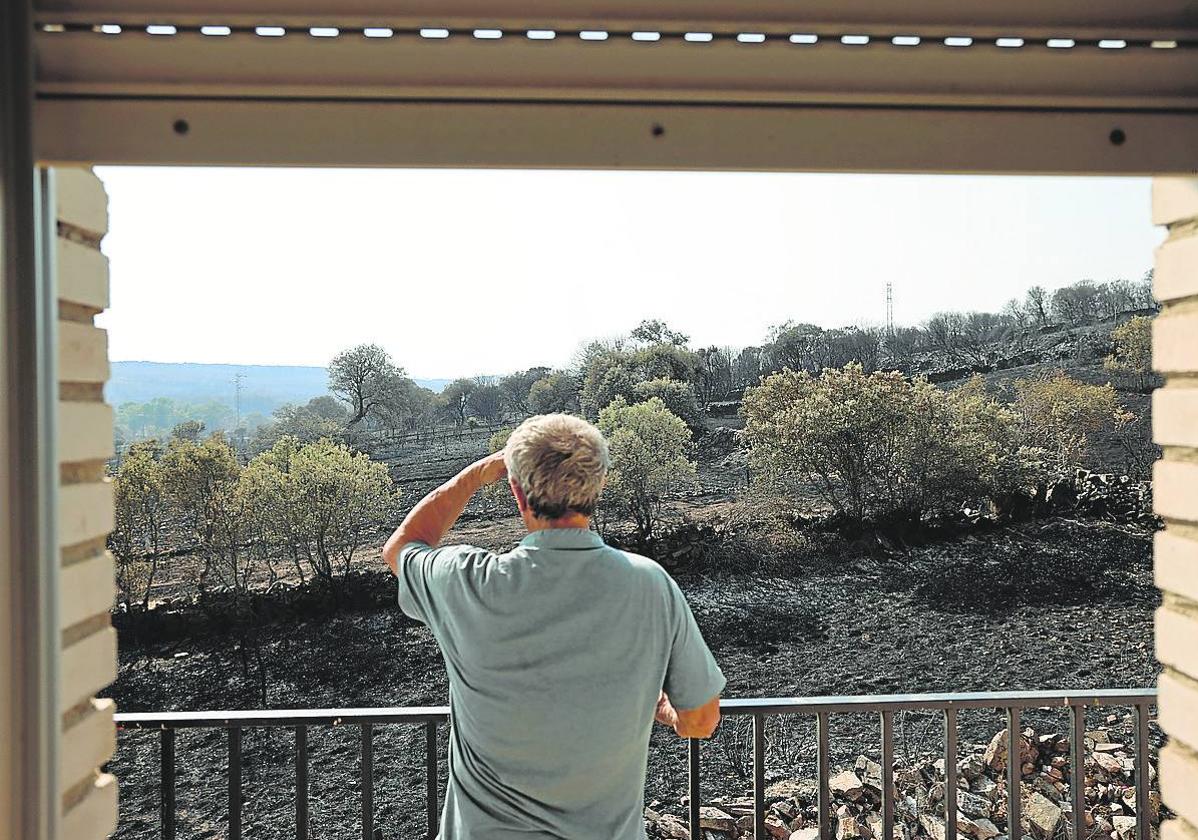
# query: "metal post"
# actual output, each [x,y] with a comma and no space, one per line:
[825,793]
[692,786]
[301,783]
[887,775]
[235,783]
[167,781]
[367,781]
[1143,750]
[1014,774]
[950,774]
[29,556]
[1077,778]
[430,776]
[758,776]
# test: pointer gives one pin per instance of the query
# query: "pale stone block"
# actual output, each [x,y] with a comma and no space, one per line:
[1175,275]
[84,511]
[1178,830]
[1174,199]
[1175,416]
[94,816]
[82,201]
[82,353]
[87,744]
[1179,780]
[1177,640]
[82,274]
[86,667]
[1177,702]
[86,588]
[1175,489]
[84,431]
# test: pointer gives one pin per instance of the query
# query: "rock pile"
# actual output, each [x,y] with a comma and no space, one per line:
[792,805]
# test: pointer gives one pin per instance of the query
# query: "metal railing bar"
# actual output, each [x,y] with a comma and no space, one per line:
[1014,773]
[367,781]
[430,777]
[1077,778]
[735,706]
[888,775]
[923,702]
[1143,794]
[692,786]
[825,792]
[950,774]
[301,783]
[281,717]
[167,781]
[758,776]
[693,795]
[235,783]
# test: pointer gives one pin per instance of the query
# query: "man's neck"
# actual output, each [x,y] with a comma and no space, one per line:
[570,520]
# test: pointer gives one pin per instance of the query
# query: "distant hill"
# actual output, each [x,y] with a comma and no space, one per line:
[263,387]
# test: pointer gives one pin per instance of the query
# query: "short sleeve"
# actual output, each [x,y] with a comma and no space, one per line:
[418,570]
[692,675]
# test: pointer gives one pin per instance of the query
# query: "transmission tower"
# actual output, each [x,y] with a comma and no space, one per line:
[889,309]
[238,378]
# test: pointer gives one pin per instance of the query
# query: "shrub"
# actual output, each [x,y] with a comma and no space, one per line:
[678,397]
[878,446]
[141,513]
[1059,416]
[556,393]
[1132,354]
[318,502]
[648,445]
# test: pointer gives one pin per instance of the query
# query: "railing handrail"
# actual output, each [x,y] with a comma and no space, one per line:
[225,719]
[756,708]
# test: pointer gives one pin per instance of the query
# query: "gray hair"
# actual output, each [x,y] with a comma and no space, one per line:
[559,462]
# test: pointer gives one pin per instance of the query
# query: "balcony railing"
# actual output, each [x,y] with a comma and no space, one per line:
[821,708]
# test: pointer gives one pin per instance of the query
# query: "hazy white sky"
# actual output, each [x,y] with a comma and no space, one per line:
[460,273]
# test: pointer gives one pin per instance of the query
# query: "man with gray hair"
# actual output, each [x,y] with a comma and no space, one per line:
[560,652]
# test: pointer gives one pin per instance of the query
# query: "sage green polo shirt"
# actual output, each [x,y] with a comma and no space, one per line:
[556,653]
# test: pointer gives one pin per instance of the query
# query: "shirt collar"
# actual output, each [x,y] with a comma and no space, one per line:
[565,538]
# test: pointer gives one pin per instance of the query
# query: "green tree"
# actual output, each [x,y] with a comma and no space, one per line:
[362,376]
[516,387]
[320,417]
[485,402]
[556,393]
[141,515]
[649,447]
[200,480]
[653,331]
[1132,354]
[678,397]
[456,399]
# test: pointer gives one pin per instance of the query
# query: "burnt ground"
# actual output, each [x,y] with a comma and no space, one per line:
[1057,603]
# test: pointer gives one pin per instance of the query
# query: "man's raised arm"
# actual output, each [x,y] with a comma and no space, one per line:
[435,514]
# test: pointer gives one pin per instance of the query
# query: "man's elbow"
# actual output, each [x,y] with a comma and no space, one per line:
[700,723]
[391,555]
